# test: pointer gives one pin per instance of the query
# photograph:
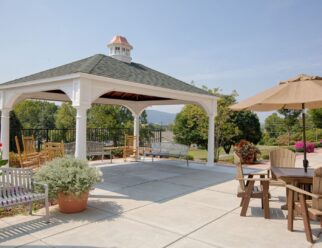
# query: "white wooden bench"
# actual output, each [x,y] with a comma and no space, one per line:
[168,149]
[17,187]
[93,148]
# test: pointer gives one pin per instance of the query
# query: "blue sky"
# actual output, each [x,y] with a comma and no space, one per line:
[246,46]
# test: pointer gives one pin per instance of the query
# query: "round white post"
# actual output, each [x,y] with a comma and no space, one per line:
[5,132]
[136,133]
[80,145]
[211,139]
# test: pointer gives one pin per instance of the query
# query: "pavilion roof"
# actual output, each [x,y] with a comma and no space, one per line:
[106,66]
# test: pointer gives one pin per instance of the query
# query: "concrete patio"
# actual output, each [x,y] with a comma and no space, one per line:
[161,204]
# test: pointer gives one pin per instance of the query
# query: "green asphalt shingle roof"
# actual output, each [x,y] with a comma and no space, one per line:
[106,66]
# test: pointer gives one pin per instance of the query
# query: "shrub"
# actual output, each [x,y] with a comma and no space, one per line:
[14,160]
[299,146]
[282,140]
[265,156]
[292,149]
[317,144]
[117,153]
[247,151]
[68,175]
[189,157]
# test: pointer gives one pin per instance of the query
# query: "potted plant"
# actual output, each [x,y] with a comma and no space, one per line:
[247,151]
[69,181]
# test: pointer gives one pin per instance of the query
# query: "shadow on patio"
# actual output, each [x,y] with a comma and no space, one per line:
[35,225]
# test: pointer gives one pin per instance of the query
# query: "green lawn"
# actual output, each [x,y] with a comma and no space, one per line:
[202,154]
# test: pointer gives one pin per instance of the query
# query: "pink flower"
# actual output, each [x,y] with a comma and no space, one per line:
[299,145]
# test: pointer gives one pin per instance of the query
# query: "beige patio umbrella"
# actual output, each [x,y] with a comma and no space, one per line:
[297,93]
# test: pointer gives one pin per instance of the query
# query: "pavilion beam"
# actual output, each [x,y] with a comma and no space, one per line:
[5,133]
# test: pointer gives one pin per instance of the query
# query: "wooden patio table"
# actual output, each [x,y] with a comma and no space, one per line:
[293,176]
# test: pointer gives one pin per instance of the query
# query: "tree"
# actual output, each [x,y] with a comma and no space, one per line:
[191,126]
[316,117]
[232,126]
[290,119]
[111,116]
[248,125]
[274,125]
[65,118]
[36,114]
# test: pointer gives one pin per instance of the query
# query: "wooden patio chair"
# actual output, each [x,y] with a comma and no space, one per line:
[248,190]
[283,158]
[25,159]
[54,149]
[309,209]
[128,148]
[29,148]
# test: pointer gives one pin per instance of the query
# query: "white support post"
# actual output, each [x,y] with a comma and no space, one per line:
[80,145]
[5,132]
[136,133]
[211,139]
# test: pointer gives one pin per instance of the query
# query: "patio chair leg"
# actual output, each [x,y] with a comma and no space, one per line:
[265,199]
[247,196]
[306,219]
[290,208]
[241,202]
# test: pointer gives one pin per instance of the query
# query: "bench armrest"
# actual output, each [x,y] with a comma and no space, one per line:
[301,191]
[43,185]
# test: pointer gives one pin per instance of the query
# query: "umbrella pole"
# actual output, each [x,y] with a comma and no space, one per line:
[305,161]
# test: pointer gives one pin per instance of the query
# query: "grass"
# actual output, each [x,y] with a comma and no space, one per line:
[201,154]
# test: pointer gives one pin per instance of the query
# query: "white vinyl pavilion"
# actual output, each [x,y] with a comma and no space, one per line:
[83,89]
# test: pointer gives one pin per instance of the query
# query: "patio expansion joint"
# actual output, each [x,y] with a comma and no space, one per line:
[199,228]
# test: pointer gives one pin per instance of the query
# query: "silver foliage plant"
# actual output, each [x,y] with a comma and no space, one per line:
[68,175]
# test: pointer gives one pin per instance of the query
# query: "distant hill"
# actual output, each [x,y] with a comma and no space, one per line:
[156,117]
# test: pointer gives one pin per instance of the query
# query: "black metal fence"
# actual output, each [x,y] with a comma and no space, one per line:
[110,136]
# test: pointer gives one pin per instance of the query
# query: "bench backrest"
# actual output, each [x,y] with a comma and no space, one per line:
[170,148]
[94,146]
[91,146]
[15,181]
[69,148]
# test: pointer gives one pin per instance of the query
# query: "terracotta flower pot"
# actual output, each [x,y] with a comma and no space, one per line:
[71,203]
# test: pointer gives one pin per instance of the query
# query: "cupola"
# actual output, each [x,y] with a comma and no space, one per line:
[120,49]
